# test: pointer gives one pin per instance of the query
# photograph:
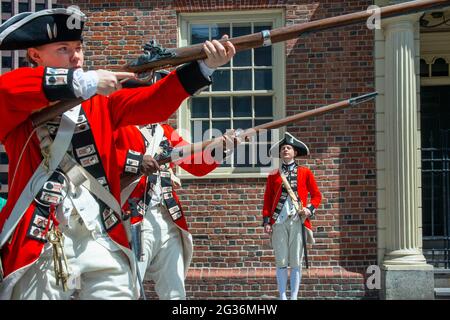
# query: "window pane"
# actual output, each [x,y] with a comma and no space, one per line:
[200,107]
[242,80]
[3,158]
[221,107]
[198,129]
[6,7]
[221,125]
[261,27]
[241,29]
[439,68]
[263,79]
[263,106]
[40,6]
[242,106]
[242,124]
[243,59]
[219,30]
[199,33]
[221,80]
[7,62]
[263,56]
[23,7]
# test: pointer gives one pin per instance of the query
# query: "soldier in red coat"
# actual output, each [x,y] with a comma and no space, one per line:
[165,243]
[280,217]
[62,228]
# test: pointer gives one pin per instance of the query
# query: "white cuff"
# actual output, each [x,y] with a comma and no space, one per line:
[206,71]
[85,83]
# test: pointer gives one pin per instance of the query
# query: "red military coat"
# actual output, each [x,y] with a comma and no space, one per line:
[130,138]
[21,94]
[305,184]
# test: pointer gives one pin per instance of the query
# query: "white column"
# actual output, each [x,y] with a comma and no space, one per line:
[401,121]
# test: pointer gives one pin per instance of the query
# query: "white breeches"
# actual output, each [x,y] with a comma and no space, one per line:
[163,254]
[287,243]
[104,270]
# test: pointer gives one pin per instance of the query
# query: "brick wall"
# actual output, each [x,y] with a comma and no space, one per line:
[232,257]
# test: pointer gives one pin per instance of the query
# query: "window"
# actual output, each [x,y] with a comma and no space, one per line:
[437,68]
[24,7]
[6,7]
[7,62]
[40,6]
[246,92]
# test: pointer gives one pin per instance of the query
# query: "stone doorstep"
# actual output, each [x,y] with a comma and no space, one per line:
[442,272]
[442,278]
[442,292]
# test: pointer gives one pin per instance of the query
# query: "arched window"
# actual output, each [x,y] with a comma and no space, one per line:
[439,68]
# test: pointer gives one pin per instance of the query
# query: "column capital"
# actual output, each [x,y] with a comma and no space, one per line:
[405,22]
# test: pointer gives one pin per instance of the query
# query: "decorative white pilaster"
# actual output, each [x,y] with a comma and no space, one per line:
[402,214]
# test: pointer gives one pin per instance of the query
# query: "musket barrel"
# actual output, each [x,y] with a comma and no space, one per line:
[183,152]
[255,40]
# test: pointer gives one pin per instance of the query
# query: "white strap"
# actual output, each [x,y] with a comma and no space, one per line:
[79,176]
[154,142]
[126,192]
[295,201]
[298,207]
[42,174]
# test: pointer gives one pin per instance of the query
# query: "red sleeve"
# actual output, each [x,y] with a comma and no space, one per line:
[316,196]
[21,93]
[198,164]
[269,194]
[141,106]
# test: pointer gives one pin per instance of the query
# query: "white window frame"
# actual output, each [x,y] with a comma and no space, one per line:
[434,46]
[277,18]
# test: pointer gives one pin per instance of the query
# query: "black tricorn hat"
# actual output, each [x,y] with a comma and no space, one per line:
[300,147]
[31,29]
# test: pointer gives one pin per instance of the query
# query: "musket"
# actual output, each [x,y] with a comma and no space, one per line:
[180,153]
[155,57]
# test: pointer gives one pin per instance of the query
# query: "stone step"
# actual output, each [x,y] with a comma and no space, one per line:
[442,278]
[442,293]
